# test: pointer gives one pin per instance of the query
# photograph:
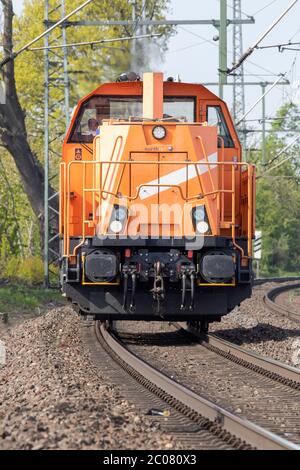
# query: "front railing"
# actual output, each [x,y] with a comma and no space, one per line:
[93,171]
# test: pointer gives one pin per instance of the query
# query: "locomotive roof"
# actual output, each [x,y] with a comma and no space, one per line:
[136,88]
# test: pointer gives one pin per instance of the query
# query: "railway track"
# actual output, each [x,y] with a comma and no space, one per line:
[265,280]
[267,367]
[270,301]
[195,419]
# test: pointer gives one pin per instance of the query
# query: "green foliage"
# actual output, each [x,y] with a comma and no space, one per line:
[31,271]
[18,229]
[20,297]
[278,198]
[10,271]
[28,271]
[88,67]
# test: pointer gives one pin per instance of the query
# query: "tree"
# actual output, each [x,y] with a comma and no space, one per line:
[278,197]
[21,118]
[13,133]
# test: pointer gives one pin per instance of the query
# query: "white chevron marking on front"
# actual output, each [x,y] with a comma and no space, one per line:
[177,177]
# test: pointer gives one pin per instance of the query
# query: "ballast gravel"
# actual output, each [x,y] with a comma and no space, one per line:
[53,397]
[253,326]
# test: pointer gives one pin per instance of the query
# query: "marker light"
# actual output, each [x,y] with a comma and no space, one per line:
[199,214]
[120,213]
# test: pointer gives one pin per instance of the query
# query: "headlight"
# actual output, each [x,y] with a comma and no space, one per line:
[200,220]
[202,227]
[116,226]
[159,132]
[118,219]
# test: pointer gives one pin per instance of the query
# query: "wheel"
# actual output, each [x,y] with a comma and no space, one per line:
[200,326]
[204,327]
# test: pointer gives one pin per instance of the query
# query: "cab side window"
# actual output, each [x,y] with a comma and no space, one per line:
[215,117]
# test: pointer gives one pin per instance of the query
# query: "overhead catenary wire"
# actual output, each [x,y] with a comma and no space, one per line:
[264,8]
[261,38]
[291,144]
[45,33]
[243,13]
[279,46]
[276,131]
[93,43]
[268,71]
[290,49]
[259,100]
[277,165]
[295,34]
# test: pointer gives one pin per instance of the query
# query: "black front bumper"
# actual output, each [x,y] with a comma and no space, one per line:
[107,303]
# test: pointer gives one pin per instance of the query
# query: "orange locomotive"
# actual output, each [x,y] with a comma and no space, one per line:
[156,207]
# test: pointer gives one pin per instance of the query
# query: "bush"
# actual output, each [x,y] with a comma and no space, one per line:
[30,271]
[11,269]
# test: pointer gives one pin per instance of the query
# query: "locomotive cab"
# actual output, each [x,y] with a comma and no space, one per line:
[156,206]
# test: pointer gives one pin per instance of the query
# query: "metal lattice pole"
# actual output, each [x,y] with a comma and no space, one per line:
[46,156]
[238,78]
[66,73]
[222,47]
[57,112]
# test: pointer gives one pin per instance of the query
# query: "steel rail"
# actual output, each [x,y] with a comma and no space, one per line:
[283,373]
[265,280]
[270,297]
[185,400]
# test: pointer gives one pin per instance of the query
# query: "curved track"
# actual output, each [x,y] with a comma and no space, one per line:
[264,366]
[224,426]
[270,301]
[265,280]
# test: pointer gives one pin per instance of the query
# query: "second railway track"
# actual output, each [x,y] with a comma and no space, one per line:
[262,391]
[204,412]
[270,301]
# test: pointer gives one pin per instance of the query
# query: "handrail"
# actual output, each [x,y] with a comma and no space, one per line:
[157,162]
[206,159]
[120,137]
[158,185]
[220,193]
[222,215]
[233,219]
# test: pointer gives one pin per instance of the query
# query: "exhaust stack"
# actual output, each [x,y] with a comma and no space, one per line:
[153,95]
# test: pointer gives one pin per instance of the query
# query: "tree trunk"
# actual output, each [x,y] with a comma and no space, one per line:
[13,132]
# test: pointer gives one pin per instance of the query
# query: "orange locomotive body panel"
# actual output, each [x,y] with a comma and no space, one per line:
[155,203]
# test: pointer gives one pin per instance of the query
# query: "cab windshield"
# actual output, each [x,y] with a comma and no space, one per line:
[98,108]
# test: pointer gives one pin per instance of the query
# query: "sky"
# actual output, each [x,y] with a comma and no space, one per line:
[194,55]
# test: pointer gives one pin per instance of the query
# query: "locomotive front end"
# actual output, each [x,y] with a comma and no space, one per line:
[157,221]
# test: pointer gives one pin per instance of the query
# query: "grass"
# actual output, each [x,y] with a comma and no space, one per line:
[14,298]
